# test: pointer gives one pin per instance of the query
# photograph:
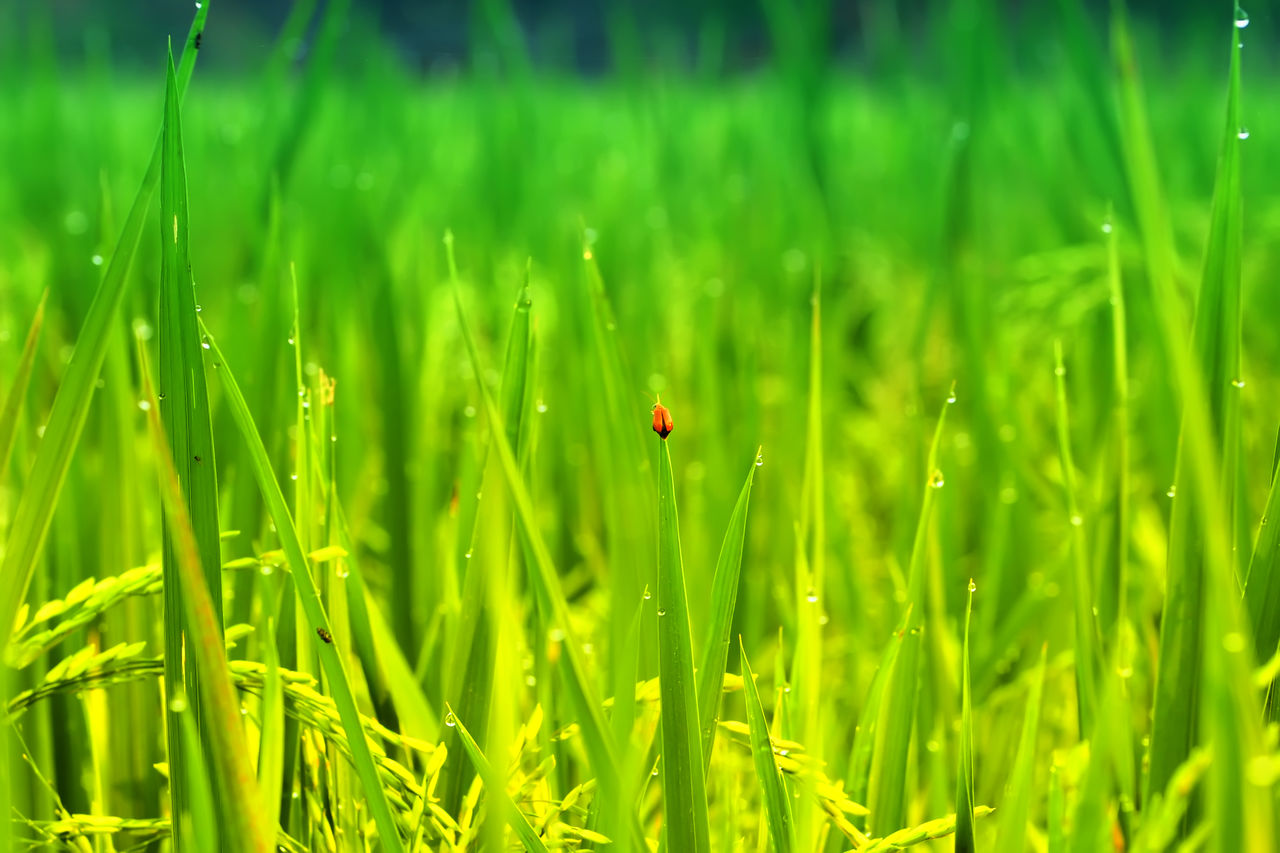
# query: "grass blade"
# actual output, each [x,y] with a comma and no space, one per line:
[965,842]
[497,788]
[184,408]
[1016,806]
[226,758]
[71,405]
[684,792]
[724,595]
[777,805]
[888,791]
[309,598]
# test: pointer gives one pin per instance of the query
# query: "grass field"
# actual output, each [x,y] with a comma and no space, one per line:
[959,540]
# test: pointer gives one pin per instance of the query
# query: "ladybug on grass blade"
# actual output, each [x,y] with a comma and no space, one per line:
[662,423]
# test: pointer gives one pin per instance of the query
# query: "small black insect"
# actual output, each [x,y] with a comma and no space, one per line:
[324,635]
[197,458]
[197,41]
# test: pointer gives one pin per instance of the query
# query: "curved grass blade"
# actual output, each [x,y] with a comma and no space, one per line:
[888,790]
[309,598]
[864,737]
[71,405]
[497,788]
[1016,807]
[240,808]
[965,842]
[724,596]
[684,792]
[18,391]
[777,805]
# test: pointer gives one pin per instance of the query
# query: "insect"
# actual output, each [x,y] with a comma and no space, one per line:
[197,41]
[324,635]
[662,422]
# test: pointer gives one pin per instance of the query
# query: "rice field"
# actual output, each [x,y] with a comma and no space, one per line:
[830,455]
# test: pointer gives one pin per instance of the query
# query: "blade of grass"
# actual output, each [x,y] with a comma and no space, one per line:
[1015,808]
[309,598]
[496,785]
[887,796]
[684,792]
[71,404]
[184,408]
[227,755]
[18,390]
[777,805]
[965,842]
[724,597]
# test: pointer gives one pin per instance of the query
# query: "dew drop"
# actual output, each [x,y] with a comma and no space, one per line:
[530,681]
[654,771]
[1076,520]
[936,480]
[198,308]
[973,587]
[1106,228]
[267,569]
[647,595]
[662,611]
[951,398]
[1242,133]
[469,411]
[291,340]
[145,405]
[204,344]
[759,459]
[1237,383]
[178,704]
[541,407]
[1060,371]
[97,260]
[466,556]
[198,4]
[450,720]
[811,596]
[1242,18]
[1173,491]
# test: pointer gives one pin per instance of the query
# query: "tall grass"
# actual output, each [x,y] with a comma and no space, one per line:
[436,594]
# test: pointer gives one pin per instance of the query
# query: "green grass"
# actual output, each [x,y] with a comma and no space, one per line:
[986,303]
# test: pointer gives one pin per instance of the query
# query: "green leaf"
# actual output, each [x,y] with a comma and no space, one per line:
[888,792]
[724,596]
[71,405]
[496,786]
[777,805]
[965,842]
[684,792]
[1015,808]
[309,598]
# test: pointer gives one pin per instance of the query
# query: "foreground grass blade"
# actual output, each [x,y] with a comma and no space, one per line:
[18,391]
[241,813]
[1206,463]
[496,786]
[684,792]
[965,842]
[888,789]
[184,408]
[777,805]
[309,598]
[71,405]
[724,595]
[1015,808]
